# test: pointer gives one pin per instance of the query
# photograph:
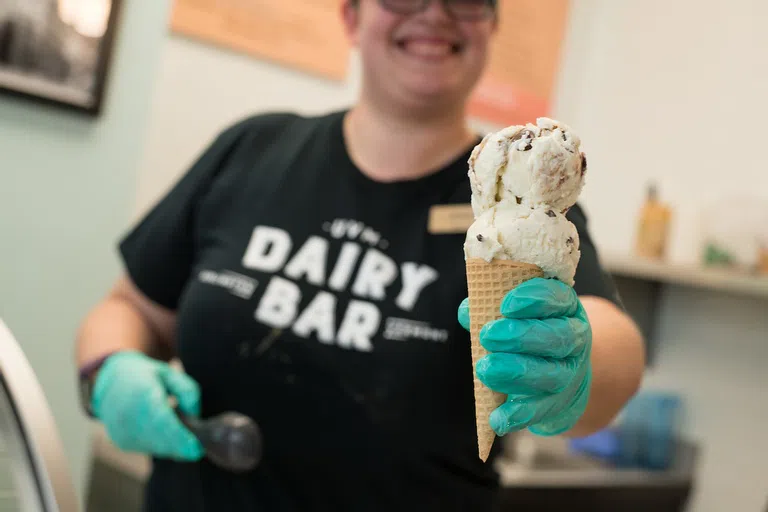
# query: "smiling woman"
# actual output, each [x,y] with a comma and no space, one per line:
[421,58]
[293,272]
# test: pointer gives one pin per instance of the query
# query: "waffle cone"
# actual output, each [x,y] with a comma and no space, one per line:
[488,283]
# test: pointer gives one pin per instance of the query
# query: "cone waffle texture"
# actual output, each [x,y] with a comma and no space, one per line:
[488,283]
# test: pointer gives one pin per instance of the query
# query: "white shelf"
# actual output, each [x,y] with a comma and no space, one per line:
[690,275]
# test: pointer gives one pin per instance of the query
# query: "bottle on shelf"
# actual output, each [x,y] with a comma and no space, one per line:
[653,226]
[762,259]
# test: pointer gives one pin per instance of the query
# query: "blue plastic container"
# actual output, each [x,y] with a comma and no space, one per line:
[645,436]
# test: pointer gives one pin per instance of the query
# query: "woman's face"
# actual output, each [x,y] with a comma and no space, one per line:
[418,60]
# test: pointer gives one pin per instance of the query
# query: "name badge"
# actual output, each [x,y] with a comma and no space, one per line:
[450,219]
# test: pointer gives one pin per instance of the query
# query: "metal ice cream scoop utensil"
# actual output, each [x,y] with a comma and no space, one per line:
[231,440]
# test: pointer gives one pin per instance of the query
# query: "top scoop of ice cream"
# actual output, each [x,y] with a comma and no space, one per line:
[531,235]
[533,165]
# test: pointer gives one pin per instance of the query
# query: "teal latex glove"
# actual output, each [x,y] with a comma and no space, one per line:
[131,398]
[539,356]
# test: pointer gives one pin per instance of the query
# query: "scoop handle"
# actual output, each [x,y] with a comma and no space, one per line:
[231,440]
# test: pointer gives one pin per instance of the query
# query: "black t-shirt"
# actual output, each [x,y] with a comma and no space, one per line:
[315,300]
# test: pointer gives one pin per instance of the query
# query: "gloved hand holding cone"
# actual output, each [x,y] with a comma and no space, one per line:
[524,179]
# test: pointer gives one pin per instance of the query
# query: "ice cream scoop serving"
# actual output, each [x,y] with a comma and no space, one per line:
[524,179]
[535,166]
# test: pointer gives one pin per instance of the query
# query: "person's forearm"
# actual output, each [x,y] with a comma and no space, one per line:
[618,362]
[114,325]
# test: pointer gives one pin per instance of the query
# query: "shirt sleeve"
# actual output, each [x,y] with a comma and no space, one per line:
[159,251]
[591,278]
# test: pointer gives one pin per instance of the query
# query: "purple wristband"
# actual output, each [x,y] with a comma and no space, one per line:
[87,370]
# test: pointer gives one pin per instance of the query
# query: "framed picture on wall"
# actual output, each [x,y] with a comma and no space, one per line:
[57,51]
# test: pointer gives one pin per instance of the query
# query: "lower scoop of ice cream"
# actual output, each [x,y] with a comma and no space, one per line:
[540,236]
[532,165]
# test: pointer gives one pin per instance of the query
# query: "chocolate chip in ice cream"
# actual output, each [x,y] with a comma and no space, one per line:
[570,241]
[519,135]
[519,200]
[569,144]
[479,238]
[550,213]
[583,164]
[523,139]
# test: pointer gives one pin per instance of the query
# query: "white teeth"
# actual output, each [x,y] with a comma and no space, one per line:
[429,48]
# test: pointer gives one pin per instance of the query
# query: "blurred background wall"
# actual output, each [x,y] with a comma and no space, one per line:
[67,188]
[654,87]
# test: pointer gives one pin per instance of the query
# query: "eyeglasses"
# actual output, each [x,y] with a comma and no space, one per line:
[463,10]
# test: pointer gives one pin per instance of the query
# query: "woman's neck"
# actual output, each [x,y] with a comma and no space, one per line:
[389,147]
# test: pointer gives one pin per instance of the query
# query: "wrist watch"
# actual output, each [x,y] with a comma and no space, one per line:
[87,381]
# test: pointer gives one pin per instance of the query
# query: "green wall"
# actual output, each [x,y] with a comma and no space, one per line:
[67,191]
